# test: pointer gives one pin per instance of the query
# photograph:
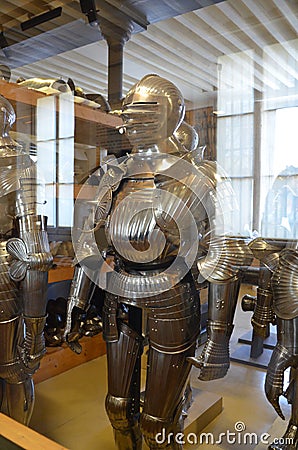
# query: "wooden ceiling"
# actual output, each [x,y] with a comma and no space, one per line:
[182,47]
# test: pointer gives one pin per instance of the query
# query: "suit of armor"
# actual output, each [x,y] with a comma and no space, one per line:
[151,211]
[24,261]
[281,259]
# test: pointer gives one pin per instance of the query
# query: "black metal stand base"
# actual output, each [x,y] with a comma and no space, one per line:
[243,353]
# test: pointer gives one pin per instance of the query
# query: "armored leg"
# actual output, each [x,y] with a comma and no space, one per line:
[121,407]
[167,377]
[17,390]
[20,400]
[174,327]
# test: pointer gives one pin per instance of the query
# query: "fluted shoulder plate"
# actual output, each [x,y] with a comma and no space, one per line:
[285,285]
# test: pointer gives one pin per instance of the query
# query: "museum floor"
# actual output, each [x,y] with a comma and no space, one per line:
[69,407]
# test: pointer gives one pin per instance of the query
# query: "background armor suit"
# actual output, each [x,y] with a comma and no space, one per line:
[281,259]
[24,261]
[152,209]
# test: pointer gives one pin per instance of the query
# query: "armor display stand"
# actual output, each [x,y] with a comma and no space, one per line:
[254,350]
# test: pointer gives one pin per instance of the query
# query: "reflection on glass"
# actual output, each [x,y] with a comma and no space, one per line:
[46,155]
[279,215]
[55,157]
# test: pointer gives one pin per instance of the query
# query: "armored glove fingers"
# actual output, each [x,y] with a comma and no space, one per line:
[74,329]
[280,360]
[93,323]
[214,361]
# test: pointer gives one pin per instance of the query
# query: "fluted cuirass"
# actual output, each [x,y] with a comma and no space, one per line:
[133,231]
[148,213]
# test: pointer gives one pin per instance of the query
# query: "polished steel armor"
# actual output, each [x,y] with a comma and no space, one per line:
[225,267]
[151,212]
[281,257]
[25,259]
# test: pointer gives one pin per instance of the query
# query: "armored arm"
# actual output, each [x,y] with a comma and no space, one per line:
[285,304]
[77,304]
[267,252]
[223,267]
[80,290]
[90,245]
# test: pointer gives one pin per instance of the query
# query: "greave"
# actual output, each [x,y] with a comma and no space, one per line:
[130,439]
[20,400]
[161,433]
[126,428]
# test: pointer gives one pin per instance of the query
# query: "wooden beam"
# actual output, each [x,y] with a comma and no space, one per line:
[25,437]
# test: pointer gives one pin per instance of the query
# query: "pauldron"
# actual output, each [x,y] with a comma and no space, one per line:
[285,285]
[226,257]
[267,251]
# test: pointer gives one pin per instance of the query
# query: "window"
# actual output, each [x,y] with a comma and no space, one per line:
[256,138]
[55,158]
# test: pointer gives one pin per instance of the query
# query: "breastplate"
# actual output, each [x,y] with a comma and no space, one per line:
[133,231]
